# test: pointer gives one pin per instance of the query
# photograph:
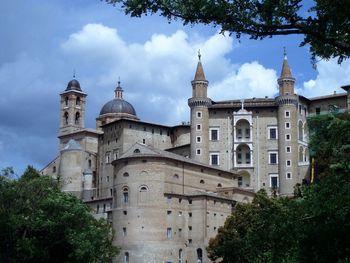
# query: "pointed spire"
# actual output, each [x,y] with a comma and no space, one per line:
[199,71]
[286,72]
[118,91]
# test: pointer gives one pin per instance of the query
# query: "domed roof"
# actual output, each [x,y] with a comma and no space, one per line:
[73,85]
[118,105]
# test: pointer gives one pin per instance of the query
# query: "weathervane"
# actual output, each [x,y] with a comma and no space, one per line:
[199,54]
[284,52]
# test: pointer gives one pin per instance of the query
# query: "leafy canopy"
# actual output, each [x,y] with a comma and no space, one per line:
[39,223]
[325,24]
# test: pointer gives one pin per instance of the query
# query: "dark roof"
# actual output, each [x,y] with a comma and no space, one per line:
[73,85]
[118,106]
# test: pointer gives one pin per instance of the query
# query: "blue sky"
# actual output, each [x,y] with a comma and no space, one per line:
[43,42]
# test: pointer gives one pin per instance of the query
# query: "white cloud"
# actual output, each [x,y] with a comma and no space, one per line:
[156,74]
[250,80]
[331,76]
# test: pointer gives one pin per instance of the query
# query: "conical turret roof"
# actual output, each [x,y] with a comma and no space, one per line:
[286,72]
[199,71]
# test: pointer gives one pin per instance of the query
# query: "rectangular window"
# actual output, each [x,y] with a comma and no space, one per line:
[214,134]
[214,158]
[287,125]
[288,137]
[318,111]
[198,151]
[199,127]
[289,175]
[125,233]
[107,158]
[125,197]
[239,133]
[288,149]
[115,154]
[273,133]
[273,158]
[169,233]
[288,162]
[199,114]
[198,139]
[247,158]
[287,114]
[274,181]
[247,133]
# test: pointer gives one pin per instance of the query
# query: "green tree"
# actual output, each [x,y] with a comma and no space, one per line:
[325,24]
[39,223]
[330,143]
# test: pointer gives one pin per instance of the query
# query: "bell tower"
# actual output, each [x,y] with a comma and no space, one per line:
[72,108]
[199,104]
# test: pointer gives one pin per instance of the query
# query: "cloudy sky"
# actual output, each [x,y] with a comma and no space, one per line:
[43,42]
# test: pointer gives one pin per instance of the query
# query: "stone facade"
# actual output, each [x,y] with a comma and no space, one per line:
[167,189]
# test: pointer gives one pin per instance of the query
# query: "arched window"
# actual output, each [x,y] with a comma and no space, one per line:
[66,117]
[89,163]
[300,131]
[125,195]
[143,194]
[54,169]
[180,256]
[66,101]
[243,155]
[77,101]
[199,255]
[243,130]
[137,151]
[126,174]
[176,177]
[201,181]
[126,257]
[219,185]
[77,117]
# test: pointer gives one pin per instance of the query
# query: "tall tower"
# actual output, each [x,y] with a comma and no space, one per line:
[72,109]
[199,104]
[287,131]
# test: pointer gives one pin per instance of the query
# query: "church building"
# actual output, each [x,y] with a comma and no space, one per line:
[167,189]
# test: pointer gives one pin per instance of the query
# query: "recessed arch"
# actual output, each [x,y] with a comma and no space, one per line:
[137,150]
[143,188]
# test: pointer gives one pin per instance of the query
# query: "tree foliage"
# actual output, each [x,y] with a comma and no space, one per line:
[39,223]
[325,24]
[312,227]
[330,142]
